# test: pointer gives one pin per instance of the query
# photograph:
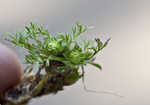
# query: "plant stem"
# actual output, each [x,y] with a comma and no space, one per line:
[41,84]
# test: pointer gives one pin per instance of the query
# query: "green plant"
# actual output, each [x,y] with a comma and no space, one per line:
[43,48]
[61,56]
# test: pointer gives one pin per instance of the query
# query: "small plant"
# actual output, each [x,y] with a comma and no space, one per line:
[60,57]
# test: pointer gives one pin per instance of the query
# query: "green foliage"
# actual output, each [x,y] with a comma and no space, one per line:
[43,48]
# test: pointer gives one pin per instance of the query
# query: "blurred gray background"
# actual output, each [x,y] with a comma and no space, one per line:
[125,60]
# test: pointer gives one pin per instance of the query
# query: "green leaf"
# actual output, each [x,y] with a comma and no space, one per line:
[105,44]
[74,30]
[27,28]
[32,25]
[85,29]
[96,65]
